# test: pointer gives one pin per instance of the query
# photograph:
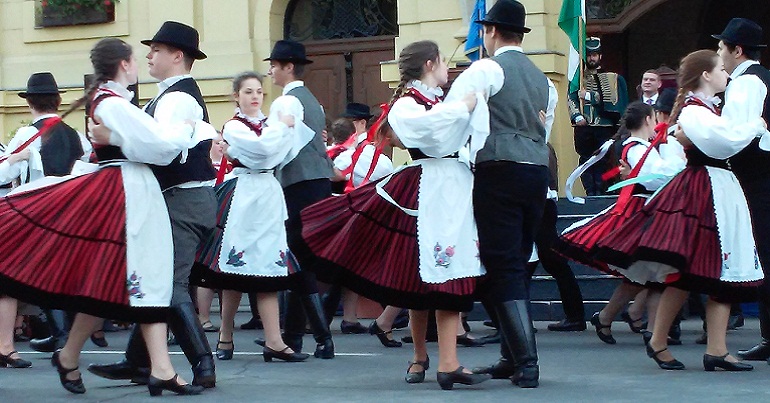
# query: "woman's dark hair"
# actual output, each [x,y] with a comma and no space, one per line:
[691,68]
[106,57]
[634,116]
[411,61]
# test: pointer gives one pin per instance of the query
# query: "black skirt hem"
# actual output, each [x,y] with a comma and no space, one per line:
[82,304]
[332,273]
[202,276]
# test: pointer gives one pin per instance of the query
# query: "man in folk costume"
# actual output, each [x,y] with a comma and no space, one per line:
[186,185]
[595,112]
[740,45]
[510,183]
[305,180]
[57,150]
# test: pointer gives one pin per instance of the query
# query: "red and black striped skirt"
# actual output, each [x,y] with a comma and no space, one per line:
[365,243]
[579,244]
[64,247]
[678,228]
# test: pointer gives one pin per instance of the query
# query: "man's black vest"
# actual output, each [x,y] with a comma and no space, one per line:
[198,166]
[59,149]
[753,163]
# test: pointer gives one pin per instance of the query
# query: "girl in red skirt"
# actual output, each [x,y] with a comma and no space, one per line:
[410,239]
[578,242]
[100,244]
[695,234]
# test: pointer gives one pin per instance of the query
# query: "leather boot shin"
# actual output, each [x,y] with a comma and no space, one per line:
[319,326]
[136,351]
[516,329]
[294,321]
[183,321]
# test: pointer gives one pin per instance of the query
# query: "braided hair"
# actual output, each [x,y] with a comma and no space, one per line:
[106,57]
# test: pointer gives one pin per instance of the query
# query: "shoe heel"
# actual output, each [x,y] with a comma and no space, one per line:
[446,385]
[155,390]
[267,357]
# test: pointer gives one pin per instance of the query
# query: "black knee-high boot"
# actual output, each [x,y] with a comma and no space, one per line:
[504,367]
[518,334]
[761,351]
[135,366]
[331,301]
[294,321]
[183,321]
[319,326]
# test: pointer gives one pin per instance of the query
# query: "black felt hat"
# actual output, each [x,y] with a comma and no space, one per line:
[180,36]
[355,110]
[289,51]
[508,14]
[42,84]
[665,101]
[744,32]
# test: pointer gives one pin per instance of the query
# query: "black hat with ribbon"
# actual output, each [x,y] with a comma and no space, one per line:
[41,84]
[508,14]
[354,110]
[289,51]
[180,36]
[743,32]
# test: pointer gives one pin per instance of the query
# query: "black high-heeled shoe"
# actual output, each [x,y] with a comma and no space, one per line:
[419,376]
[156,387]
[225,354]
[7,361]
[607,338]
[710,362]
[73,386]
[673,365]
[268,354]
[447,379]
[386,341]
[99,341]
[631,322]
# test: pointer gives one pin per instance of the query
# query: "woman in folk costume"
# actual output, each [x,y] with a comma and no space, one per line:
[410,239]
[249,253]
[651,168]
[695,233]
[102,241]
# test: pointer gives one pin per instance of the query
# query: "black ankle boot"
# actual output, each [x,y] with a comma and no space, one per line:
[517,333]
[761,351]
[321,333]
[184,322]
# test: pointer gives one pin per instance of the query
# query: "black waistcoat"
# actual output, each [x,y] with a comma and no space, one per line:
[752,163]
[198,166]
[60,148]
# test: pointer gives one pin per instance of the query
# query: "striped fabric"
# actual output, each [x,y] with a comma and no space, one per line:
[370,246]
[64,246]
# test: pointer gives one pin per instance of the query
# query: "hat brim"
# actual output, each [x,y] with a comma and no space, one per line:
[733,41]
[515,28]
[24,94]
[290,60]
[350,116]
[194,53]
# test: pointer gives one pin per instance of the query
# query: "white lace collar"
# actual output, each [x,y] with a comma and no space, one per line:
[253,119]
[118,89]
[712,102]
[429,92]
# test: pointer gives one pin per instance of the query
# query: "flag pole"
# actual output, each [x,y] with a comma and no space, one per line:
[581,67]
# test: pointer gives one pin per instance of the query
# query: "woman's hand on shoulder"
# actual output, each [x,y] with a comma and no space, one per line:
[470,100]
[22,155]
[98,133]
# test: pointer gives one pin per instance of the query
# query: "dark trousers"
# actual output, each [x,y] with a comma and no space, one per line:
[193,215]
[298,196]
[587,140]
[556,265]
[758,197]
[508,201]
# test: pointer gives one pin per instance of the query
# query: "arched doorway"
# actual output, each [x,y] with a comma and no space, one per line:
[639,35]
[347,40]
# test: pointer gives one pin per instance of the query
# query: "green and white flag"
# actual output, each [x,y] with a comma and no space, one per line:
[572,20]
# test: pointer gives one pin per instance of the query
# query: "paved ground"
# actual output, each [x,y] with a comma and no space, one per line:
[574,367]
